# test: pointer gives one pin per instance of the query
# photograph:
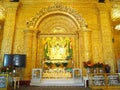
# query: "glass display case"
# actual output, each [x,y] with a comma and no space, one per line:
[77,75]
[3,81]
[113,79]
[104,80]
[36,74]
[97,80]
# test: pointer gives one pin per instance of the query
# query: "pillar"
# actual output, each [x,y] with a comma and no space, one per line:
[28,39]
[106,33]
[34,49]
[40,51]
[86,48]
[79,48]
[87,44]
[9,28]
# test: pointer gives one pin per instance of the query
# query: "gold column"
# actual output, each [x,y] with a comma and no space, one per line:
[9,28]
[87,44]
[75,59]
[28,50]
[40,52]
[79,40]
[80,48]
[106,31]
[34,49]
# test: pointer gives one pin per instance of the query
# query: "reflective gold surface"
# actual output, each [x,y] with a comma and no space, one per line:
[87,23]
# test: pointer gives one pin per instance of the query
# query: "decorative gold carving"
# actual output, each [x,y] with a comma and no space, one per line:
[2,13]
[58,24]
[56,7]
[58,48]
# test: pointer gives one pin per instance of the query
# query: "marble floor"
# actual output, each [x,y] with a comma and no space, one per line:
[58,88]
[52,88]
[107,89]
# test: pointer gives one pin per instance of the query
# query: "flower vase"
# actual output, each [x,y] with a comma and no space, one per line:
[107,69]
[88,72]
[98,70]
[94,70]
[101,70]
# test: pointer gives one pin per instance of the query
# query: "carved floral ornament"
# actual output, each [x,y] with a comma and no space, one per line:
[56,7]
[2,12]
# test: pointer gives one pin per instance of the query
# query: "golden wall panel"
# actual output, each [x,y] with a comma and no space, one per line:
[18,42]
[97,45]
[9,25]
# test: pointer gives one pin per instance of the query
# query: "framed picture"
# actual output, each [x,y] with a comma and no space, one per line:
[113,79]
[3,81]
[77,73]
[36,74]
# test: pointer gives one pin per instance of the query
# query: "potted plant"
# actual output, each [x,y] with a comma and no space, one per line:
[100,67]
[95,68]
[88,65]
[107,68]
[49,64]
[64,64]
[57,64]
[3,69]
[7,69]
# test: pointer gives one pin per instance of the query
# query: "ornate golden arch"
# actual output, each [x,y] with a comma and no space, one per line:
[57,8]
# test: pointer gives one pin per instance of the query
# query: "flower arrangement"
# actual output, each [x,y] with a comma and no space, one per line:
[48,64]
[65,64]
[7,69]
[88,64]
[107,68]
[57,64]
[100,65]
[95,65]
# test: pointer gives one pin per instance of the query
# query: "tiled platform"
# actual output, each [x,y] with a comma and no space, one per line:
[57,82]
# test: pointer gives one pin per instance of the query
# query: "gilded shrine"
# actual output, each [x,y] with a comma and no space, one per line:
[57,36]
[56,42]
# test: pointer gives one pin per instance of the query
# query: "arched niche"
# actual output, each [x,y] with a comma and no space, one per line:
[56,9]
[57,21]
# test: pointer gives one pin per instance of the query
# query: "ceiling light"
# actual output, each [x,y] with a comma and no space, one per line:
[117,27]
